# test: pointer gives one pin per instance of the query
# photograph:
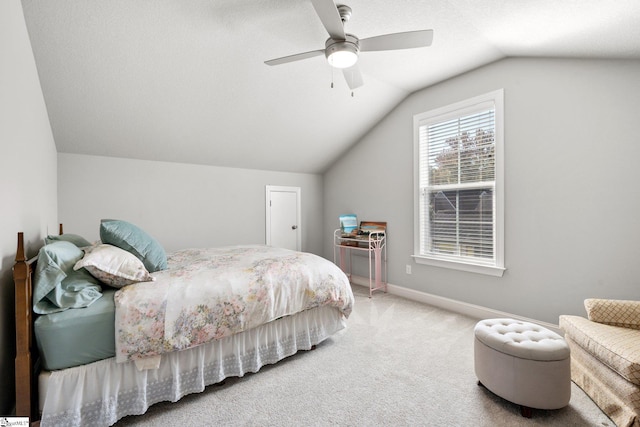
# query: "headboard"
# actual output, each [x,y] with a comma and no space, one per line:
[27,363]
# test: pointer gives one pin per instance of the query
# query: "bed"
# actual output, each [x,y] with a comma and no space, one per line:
[101,342]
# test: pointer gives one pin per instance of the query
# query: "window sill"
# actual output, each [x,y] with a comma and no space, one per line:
[462,266]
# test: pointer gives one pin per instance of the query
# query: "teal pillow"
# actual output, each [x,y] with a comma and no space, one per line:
[77,240]
[57,287]
[133,239]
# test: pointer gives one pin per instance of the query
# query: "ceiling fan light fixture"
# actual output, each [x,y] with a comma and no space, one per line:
[342,59]
[342,53]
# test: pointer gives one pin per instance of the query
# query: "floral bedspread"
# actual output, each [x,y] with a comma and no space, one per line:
[208,294]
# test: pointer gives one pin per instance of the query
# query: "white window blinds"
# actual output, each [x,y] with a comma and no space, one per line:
[457,184]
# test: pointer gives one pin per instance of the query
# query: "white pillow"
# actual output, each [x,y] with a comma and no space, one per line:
[113,266]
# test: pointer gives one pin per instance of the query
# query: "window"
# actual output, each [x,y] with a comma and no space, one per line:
[458,185]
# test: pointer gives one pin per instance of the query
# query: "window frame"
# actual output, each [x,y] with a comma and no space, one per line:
[442,114]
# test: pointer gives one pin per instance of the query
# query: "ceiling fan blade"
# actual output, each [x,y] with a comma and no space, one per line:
[330,17]
[296,57]
[406,40]
[353,76]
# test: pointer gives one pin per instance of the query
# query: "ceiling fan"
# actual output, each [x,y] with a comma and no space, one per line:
[342,49]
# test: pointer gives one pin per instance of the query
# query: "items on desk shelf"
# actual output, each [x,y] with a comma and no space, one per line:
[359,235]
[364,234]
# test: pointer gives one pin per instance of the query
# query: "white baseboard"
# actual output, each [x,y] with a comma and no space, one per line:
[471,310]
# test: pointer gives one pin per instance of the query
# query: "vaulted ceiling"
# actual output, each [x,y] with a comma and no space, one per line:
[185,80]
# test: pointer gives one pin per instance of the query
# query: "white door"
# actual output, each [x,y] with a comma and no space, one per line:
[283,228]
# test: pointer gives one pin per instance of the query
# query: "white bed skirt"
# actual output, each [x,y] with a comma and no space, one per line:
[100,393]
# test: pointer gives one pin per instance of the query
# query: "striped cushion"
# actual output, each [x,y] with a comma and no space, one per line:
[614,312]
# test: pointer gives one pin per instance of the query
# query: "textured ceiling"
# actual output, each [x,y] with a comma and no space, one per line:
[185,81]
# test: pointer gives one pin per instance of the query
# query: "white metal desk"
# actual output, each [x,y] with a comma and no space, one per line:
[375,243]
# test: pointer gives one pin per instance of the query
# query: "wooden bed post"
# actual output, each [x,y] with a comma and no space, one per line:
[25,385]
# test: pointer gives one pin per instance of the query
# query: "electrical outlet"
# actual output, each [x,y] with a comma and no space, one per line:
[408,269]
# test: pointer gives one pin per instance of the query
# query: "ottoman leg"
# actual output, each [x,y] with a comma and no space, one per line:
[525,411]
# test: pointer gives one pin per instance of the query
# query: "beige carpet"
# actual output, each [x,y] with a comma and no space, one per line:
[398,363]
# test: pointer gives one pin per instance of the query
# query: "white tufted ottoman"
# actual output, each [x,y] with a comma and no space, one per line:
[523,363]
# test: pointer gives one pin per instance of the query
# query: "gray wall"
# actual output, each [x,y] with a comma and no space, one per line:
[27,173]
[180,205]
[572,178]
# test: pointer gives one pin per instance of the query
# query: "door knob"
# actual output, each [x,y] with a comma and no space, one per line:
[294,227]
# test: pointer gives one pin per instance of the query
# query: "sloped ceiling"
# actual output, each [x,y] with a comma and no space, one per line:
[185,80]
